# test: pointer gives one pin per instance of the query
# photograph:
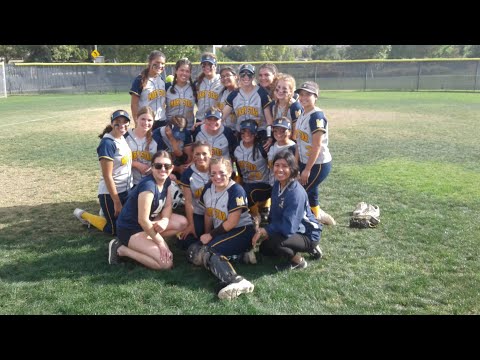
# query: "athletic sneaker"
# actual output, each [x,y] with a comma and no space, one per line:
[372,210]
[78,214]
[113,257]
[292,265]
[100,213]
[326,219]
[360,208]
[234,289]
[316,253]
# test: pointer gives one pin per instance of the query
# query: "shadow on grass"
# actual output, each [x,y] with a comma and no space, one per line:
[46,242]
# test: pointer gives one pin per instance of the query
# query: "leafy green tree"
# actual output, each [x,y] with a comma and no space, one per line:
[471,51]
[269,53]
[9,52]
[366,51]
[68,53]
[324,52]
[235,52]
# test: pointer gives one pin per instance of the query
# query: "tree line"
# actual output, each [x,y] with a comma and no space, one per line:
[240,53]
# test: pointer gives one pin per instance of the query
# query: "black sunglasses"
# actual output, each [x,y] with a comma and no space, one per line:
[158,166]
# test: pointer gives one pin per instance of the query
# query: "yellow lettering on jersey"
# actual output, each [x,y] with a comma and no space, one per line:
[213,95]
[240,201]
[247,110]
[216,152]
[126,159]
[141,155]
[156,94]
[255,175]
[198,193]
[220,215]
[247,165]
[201,94]
[302,135]
[180,102]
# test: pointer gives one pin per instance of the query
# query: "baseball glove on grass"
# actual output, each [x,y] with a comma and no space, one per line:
[364,221]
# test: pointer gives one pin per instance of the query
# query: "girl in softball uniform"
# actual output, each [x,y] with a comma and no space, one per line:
[253,167]
[115,158]
[148,88]
[220,137]
[228,77]
[181,94]
[142,144]
[228,230]
[293,228]
[250,101]
[313,155]
[192,184]
[147,219]
[285,104]
[208,86]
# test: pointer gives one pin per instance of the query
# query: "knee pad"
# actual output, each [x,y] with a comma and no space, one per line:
[196,253]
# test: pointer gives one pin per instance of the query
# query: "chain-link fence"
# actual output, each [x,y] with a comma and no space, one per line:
[330,75]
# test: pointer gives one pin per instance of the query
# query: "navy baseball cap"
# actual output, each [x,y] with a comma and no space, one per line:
[213,113]
[178,132]
[250,125]
[309,86]
[246,67]
[282,123]
[208,58]
[119,113]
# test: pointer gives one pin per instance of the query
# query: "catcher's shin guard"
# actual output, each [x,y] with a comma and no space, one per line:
[221,268]
[196,253]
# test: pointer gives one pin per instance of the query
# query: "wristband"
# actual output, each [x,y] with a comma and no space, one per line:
[218,231]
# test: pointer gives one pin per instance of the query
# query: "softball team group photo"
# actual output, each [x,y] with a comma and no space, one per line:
[227,166]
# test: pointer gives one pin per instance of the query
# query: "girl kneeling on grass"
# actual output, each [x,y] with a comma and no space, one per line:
[293,227]
[228,230]
[147,218]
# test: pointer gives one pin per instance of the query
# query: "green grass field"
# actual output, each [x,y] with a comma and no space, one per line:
[415,154]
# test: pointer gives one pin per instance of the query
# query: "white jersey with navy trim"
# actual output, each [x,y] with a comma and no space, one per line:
[249,106]
[231,121]
[208,95]
[219,204]
[118,151]
[195,181]
[140,152]
[153,95]
[274,150]
[222,144]
[252,171]
[308,124]
[181,103]
[292,112]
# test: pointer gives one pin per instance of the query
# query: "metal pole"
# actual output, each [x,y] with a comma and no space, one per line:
[476,76]
[418,74]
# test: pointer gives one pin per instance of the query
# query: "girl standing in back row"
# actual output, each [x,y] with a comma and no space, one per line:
[313,155]
[148,88]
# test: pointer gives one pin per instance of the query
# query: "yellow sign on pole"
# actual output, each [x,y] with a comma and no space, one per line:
[95,53]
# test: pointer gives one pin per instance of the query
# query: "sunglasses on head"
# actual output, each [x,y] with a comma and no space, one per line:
[158,166]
